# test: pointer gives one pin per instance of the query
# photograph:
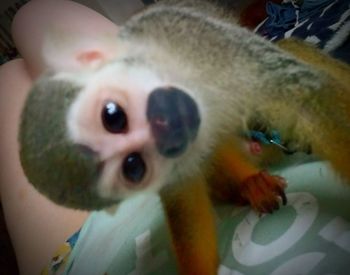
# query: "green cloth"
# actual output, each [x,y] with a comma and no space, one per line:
[311,235]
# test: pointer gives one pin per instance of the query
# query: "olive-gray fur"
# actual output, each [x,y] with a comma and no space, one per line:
[64,171]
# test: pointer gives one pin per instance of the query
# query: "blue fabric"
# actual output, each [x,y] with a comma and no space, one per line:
[326,25]
[310,4]
[73,239]
[280,16]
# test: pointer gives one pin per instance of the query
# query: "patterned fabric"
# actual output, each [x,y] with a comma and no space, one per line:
[59,260]
[326,25]
[311,235]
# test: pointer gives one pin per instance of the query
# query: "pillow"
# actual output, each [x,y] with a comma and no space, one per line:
[311,235]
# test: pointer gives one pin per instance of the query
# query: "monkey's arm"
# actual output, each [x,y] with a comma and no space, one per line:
[190,218]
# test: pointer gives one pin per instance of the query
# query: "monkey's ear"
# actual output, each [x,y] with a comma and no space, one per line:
[75,51]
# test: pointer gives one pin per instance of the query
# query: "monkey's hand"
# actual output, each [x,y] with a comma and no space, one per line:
[237,179]
[262,192]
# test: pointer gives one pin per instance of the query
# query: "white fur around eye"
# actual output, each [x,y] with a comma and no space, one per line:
[129,87]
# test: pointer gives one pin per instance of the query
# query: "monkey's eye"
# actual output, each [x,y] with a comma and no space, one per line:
[114,118]
[134,168]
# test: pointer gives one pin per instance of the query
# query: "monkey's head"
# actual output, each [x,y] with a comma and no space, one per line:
[90,139]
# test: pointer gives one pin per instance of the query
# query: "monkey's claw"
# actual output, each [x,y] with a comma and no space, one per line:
[262,191]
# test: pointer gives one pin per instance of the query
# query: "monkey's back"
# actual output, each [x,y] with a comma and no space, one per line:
[236,74]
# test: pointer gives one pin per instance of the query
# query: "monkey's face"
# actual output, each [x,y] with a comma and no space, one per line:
[125,130]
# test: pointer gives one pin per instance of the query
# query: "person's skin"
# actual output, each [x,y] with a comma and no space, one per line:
[41,18]
[37,226]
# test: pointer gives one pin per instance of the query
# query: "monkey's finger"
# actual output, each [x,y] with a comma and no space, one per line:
[280,189]
[279,185]
[270,206]
[263,190]
[282,194]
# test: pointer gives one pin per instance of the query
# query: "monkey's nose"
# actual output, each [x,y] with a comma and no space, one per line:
[174,119]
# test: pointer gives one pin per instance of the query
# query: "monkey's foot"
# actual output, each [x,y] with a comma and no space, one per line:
[263,192]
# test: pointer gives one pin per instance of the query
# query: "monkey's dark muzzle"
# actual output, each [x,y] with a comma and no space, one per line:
[174,119]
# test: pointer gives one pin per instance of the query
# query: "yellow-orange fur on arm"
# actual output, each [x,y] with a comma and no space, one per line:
[192,227]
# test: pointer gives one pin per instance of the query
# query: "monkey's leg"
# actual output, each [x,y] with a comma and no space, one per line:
[236,179]
[330,133]
[329,129]
[192,226]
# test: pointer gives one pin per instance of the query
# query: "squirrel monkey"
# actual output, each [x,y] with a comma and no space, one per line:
[166,115]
